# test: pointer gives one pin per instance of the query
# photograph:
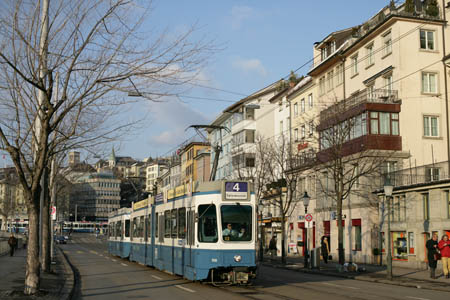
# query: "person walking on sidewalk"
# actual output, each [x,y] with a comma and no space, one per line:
[444,247]
[273,247]
[12,242]
[325,247]
[432,249]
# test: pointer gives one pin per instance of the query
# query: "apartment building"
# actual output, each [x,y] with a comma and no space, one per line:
[387,79]
[189,165]
[154,170]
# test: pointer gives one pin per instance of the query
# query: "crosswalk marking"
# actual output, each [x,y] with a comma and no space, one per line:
[184,288]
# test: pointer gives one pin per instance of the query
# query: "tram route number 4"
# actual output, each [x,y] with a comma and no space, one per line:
[236,190]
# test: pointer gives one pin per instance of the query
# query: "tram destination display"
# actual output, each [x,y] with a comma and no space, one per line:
[235,190]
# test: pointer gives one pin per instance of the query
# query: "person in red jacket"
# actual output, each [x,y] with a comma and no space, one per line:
[444,247]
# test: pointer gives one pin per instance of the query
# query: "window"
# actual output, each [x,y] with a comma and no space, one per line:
[399,245]
[330,76]
[370,55]
[429,83]
[249,113]
[356,234]
[149,227]
[371,93]
[311,128]
[323,53]
[236,222]
[384,123]
[333,47]
[432,174]
[373,122]
[388,84]
[310,100]
[302,105]
[340,74]
[173,223]
[399,208]
[141,227]
[302,131]
[127,228]
[394,124]
[207,223]
[296,109]
[427,40]
[322,85]
[296,134]
[182,223]
[167,224]
[430,126]
[426,206]
[387,43]
[447,201]
[354,66]
[411,244]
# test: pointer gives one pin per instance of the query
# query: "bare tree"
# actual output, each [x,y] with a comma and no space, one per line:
[277,160]
[98,50]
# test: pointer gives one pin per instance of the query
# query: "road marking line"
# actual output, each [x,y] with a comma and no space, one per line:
[156,277]
[186,289]
[344,286]
[93,252]
[417,298]
[113,260]
[80,252]
[101,255]
[125,265]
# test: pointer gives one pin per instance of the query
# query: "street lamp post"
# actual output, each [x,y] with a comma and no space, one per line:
[306,199]
[388,193]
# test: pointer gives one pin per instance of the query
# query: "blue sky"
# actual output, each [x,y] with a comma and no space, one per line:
[262,40]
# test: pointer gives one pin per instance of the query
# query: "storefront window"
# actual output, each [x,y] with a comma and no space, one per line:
[399,245]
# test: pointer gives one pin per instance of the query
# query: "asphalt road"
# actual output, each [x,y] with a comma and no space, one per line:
[107,277]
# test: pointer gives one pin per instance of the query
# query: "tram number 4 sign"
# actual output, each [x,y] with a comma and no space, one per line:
[236,190]
[308,217]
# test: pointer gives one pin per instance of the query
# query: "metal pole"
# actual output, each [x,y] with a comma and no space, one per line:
[306,241]
[389,254]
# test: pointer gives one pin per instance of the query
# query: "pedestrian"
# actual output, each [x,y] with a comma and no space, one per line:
[25,241]
[273,247]
[325,247]
[433,252]
[12,242]
[444,247]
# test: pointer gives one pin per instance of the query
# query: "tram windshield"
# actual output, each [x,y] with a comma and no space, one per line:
[236,222]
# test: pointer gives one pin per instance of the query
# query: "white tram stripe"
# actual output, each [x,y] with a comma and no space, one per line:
[184,288]
[156,277]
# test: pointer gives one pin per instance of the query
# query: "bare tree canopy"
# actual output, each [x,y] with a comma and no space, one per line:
[67,68]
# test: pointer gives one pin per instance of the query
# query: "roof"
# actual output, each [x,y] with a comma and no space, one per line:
[279,94]
[270,88]
[318,44]
[299,85]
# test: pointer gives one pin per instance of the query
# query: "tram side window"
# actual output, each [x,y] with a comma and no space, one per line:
[127,228]
[207,223]
[174,223]
[182,223]
[141,227]
[161,228]
[167,224]
[119,229]
[156,225]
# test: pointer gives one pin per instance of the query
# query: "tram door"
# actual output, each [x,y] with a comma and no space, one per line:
[190,230]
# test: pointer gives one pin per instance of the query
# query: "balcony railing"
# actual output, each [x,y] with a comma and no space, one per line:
[364,96]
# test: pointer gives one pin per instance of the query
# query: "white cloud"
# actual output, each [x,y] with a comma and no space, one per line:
[252,65]
[240,13]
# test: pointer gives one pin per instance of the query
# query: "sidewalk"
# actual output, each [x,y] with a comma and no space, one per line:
[53,285]
[374,273]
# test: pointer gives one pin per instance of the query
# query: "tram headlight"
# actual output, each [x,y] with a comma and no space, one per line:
[237,258]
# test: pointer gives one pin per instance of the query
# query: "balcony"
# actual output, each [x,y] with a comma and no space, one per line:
[367,99]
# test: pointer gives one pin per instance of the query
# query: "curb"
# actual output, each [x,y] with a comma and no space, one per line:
[68,288]
[362,278]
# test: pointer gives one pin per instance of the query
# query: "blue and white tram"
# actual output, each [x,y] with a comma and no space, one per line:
[207,235]
[119,233]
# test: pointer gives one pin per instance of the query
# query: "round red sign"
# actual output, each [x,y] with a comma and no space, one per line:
[308,217]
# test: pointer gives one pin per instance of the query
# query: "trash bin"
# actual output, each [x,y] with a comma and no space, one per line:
[315,258]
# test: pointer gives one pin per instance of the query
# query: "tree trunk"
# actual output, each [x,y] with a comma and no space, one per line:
[46,230]
[32,275]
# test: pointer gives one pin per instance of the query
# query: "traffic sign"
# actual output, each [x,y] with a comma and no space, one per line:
[53,213]
[309,224]
[308,217]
